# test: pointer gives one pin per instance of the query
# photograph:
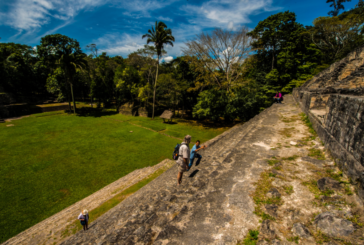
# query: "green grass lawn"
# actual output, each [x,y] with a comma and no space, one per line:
[52,160]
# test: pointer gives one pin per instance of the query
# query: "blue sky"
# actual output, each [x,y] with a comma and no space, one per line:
[116,26]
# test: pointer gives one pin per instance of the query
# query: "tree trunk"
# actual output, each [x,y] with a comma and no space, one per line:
[91,102]
[155,87]
[73,100]
[274,51]
[69,102]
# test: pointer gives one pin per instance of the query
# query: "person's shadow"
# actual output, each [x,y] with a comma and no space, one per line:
[193,173]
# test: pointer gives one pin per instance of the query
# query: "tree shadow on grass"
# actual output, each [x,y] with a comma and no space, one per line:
[94,112]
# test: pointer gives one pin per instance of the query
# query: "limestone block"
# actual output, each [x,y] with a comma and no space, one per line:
[332,225]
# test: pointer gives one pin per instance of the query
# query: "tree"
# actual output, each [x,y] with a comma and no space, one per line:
[66,53]
[93,49]
[127,82]
[337,4]
[285,52]
[19,73]
[337,36]
[271,34]
[102,77]
[219,55]
[161,36]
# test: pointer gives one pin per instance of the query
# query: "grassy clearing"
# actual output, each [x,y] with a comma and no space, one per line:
[50,161]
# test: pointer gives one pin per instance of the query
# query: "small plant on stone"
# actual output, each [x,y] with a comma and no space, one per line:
[287,132]
[273,161]
[348,190]
[308,123]
[312,186]
[316,153]
[327,193]
[294,239]
[266,216]
[292,158]
[278,168]
[336,176]
[272,175]
[321,237]
[288,189]
[251,238]
[355,219]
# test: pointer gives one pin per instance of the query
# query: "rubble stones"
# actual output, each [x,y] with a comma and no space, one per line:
[272,210]
[267,230]
[319,163]
[273,193]
[300,230]
[328,184]
[332,225]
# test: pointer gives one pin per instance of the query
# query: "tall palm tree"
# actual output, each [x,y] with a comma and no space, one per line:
[161,36]
[70,63]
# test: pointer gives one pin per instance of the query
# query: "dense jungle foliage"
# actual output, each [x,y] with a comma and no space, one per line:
[214,81]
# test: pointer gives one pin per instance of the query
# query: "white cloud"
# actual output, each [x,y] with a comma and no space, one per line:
[143,5]
[28,15]
[226,13]
[167,59]
[161,18]
[123,44]
[120,44]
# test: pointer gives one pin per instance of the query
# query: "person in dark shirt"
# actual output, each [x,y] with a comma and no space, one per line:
[84,217]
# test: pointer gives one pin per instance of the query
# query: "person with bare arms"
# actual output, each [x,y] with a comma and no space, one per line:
[183,158]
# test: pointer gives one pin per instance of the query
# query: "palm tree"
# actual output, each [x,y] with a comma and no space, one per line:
[160,36]
[70,63]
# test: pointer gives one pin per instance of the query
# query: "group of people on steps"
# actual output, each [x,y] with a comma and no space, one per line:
[185,160]
[186,156]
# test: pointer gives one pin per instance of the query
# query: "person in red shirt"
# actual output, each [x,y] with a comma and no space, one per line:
[278,98]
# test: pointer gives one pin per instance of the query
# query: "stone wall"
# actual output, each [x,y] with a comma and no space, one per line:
[17,110]
[334,102]
[130,110]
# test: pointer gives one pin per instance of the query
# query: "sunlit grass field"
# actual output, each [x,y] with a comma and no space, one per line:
[51,160]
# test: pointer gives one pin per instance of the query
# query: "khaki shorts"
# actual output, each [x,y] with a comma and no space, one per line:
[182,168]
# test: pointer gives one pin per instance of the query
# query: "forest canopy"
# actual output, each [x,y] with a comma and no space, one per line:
[222,75]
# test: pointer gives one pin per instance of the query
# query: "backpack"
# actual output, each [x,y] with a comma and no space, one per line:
[176,152]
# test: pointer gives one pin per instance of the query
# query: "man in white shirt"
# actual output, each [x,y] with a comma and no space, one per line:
[183,158]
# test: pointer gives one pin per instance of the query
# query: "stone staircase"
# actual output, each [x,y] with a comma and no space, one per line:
[213,204]
[52,227]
